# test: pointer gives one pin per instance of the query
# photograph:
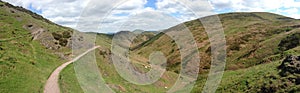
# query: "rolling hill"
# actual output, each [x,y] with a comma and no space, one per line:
[261,47]
[257,43]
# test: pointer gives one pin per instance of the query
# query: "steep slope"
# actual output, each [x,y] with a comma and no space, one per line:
[251,37]
[142,37]
[137,36]
[263,78]
[31,47]
[254,42]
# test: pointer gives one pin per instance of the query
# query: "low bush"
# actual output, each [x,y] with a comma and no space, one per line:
[289,42]
[57,36]
[63,42]
[66,34]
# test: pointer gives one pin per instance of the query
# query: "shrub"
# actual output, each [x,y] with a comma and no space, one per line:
[56,36]
[234,46]
[63,42]
[66,34]
[290,42]
[290,65]
[280,30]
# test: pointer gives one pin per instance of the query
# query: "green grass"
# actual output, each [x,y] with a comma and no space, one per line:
[252,79]
[68,81]
[112,78]
[253,55]
[25,64]
[255,78]
[259,38]
[242,80]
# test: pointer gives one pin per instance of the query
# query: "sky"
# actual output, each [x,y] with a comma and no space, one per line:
[109,16]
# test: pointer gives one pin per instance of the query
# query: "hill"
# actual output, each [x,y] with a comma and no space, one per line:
[253,40]
[31,47]
[259,45]
[250,39]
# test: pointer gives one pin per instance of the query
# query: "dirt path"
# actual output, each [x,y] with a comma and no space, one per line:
[52,85]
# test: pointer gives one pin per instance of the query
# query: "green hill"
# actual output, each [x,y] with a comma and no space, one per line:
[28,51]
[250,38]
[258,44]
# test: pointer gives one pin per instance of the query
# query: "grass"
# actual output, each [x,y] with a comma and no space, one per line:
[25,64]
[252,40]
[25,71]
[253,79]
[113,79]
[68,81]
[249,67]
[242,80]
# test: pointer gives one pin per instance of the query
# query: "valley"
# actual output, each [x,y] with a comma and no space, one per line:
[258,45]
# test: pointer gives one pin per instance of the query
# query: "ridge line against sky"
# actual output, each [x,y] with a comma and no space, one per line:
[160,14]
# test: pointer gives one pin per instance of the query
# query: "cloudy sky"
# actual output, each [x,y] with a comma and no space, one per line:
[107,16]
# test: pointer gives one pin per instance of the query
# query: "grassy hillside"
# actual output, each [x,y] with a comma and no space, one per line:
[250,38]
[264,78]
[69,83]
[142,37]
[28,50]
[31,47]
[256,45]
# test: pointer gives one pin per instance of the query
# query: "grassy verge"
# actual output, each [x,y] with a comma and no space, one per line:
[68,81]
[25,66]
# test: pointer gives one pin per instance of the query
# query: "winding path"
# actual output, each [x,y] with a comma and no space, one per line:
[52,85]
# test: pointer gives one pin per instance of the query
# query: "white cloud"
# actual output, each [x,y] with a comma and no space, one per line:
[88,14]
[247,5]
[149,20]
[290,12]
[284,7]
[291,4]
[252,5]
[185,10]
[132,14]
[64,12]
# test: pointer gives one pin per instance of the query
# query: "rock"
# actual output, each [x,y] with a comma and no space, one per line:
[291,64]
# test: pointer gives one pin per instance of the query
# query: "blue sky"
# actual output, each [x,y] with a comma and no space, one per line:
[34,9]
[148,12]
[151,4]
